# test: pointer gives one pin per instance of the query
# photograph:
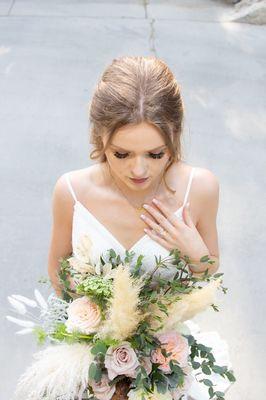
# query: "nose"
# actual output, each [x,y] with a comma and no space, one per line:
[139,168]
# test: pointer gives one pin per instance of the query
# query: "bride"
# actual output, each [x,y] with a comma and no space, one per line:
[136,117]
[136,196]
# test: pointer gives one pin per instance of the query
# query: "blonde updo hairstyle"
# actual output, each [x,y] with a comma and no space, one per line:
[132,90]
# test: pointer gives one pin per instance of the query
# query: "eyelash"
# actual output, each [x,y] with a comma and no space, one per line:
[152,155]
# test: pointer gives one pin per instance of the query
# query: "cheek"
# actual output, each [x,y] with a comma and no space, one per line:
[117,166]
[159,165]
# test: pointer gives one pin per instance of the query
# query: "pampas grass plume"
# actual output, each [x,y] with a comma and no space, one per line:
[123,315]
[187,307]
[200,299]
[59,371]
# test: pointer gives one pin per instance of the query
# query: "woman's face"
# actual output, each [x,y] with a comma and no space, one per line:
[135,152]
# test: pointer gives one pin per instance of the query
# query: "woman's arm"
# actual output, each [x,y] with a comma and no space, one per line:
[207,189]
[61,241]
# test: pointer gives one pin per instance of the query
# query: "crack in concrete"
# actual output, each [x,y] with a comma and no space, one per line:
[152,30]
[145,3]
[11,6]
[152,37]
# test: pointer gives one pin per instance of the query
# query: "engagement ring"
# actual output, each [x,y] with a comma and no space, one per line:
[162,232]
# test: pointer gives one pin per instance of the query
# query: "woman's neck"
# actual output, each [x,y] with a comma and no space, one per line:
[136,196]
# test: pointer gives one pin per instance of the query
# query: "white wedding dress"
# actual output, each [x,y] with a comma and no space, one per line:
[84,222]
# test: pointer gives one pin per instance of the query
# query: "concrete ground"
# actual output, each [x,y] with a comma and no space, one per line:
[51,54]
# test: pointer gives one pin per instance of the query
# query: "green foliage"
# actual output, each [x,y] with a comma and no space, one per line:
[95,372]
[62,335]
[137,267]
[97,287]
[40,333]
[158,291]
[207,365]
[63,278]
[215,307]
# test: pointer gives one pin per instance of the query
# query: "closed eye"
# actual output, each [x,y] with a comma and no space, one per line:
[152,155]
[157,155]
[120,155]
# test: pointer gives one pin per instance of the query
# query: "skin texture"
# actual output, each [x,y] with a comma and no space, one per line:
[95,188]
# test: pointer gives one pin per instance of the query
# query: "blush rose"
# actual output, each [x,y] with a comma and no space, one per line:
[83,316]
[175,343]
[102,390]
[121,360]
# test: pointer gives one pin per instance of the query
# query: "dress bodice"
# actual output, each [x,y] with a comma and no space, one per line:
[85,223]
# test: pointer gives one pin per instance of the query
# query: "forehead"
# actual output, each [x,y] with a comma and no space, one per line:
[137,138]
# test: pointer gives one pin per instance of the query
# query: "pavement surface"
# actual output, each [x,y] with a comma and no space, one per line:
[51,54]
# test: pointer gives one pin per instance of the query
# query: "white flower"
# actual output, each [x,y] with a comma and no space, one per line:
[106,270]
[21,322]
[26,300]
[40,299]
[80,266]
[18,306]
[81,260]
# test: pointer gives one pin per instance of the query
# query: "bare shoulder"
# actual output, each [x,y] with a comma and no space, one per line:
[79,181]
[206,184]
[205,191]
[77,178]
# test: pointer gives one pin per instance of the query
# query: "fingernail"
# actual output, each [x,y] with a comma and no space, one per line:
[155,201]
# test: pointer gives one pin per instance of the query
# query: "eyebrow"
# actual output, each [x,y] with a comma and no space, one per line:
[148,151]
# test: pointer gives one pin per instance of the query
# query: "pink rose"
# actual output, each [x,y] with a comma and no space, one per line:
[183,390]
[83,316]
[121,360]
[102,390]
[174,343]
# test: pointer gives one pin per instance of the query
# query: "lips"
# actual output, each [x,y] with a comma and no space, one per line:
[139,180]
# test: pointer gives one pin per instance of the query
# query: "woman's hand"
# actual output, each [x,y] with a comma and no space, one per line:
[175,234]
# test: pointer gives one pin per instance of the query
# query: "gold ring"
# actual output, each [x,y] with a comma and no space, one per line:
[161,231]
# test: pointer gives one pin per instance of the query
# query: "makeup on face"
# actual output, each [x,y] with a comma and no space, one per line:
[137,155]
[156,153]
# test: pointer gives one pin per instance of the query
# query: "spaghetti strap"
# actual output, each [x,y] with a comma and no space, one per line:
[188,186]
[70,187]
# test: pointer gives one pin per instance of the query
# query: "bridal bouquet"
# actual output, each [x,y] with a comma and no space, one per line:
[119,332]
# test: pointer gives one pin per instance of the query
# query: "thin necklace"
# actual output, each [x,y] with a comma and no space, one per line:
[137,208]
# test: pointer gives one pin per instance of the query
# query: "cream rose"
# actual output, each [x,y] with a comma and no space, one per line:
[102,390]
[121,360]
[172,342]
[83,316]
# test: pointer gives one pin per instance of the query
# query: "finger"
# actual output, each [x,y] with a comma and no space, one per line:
[158,239]
[153,225]
[160,218]
[171,217]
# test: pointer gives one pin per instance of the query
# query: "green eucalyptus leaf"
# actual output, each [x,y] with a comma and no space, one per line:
[207,382]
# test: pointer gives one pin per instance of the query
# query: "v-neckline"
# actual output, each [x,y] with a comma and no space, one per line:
[109,233]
